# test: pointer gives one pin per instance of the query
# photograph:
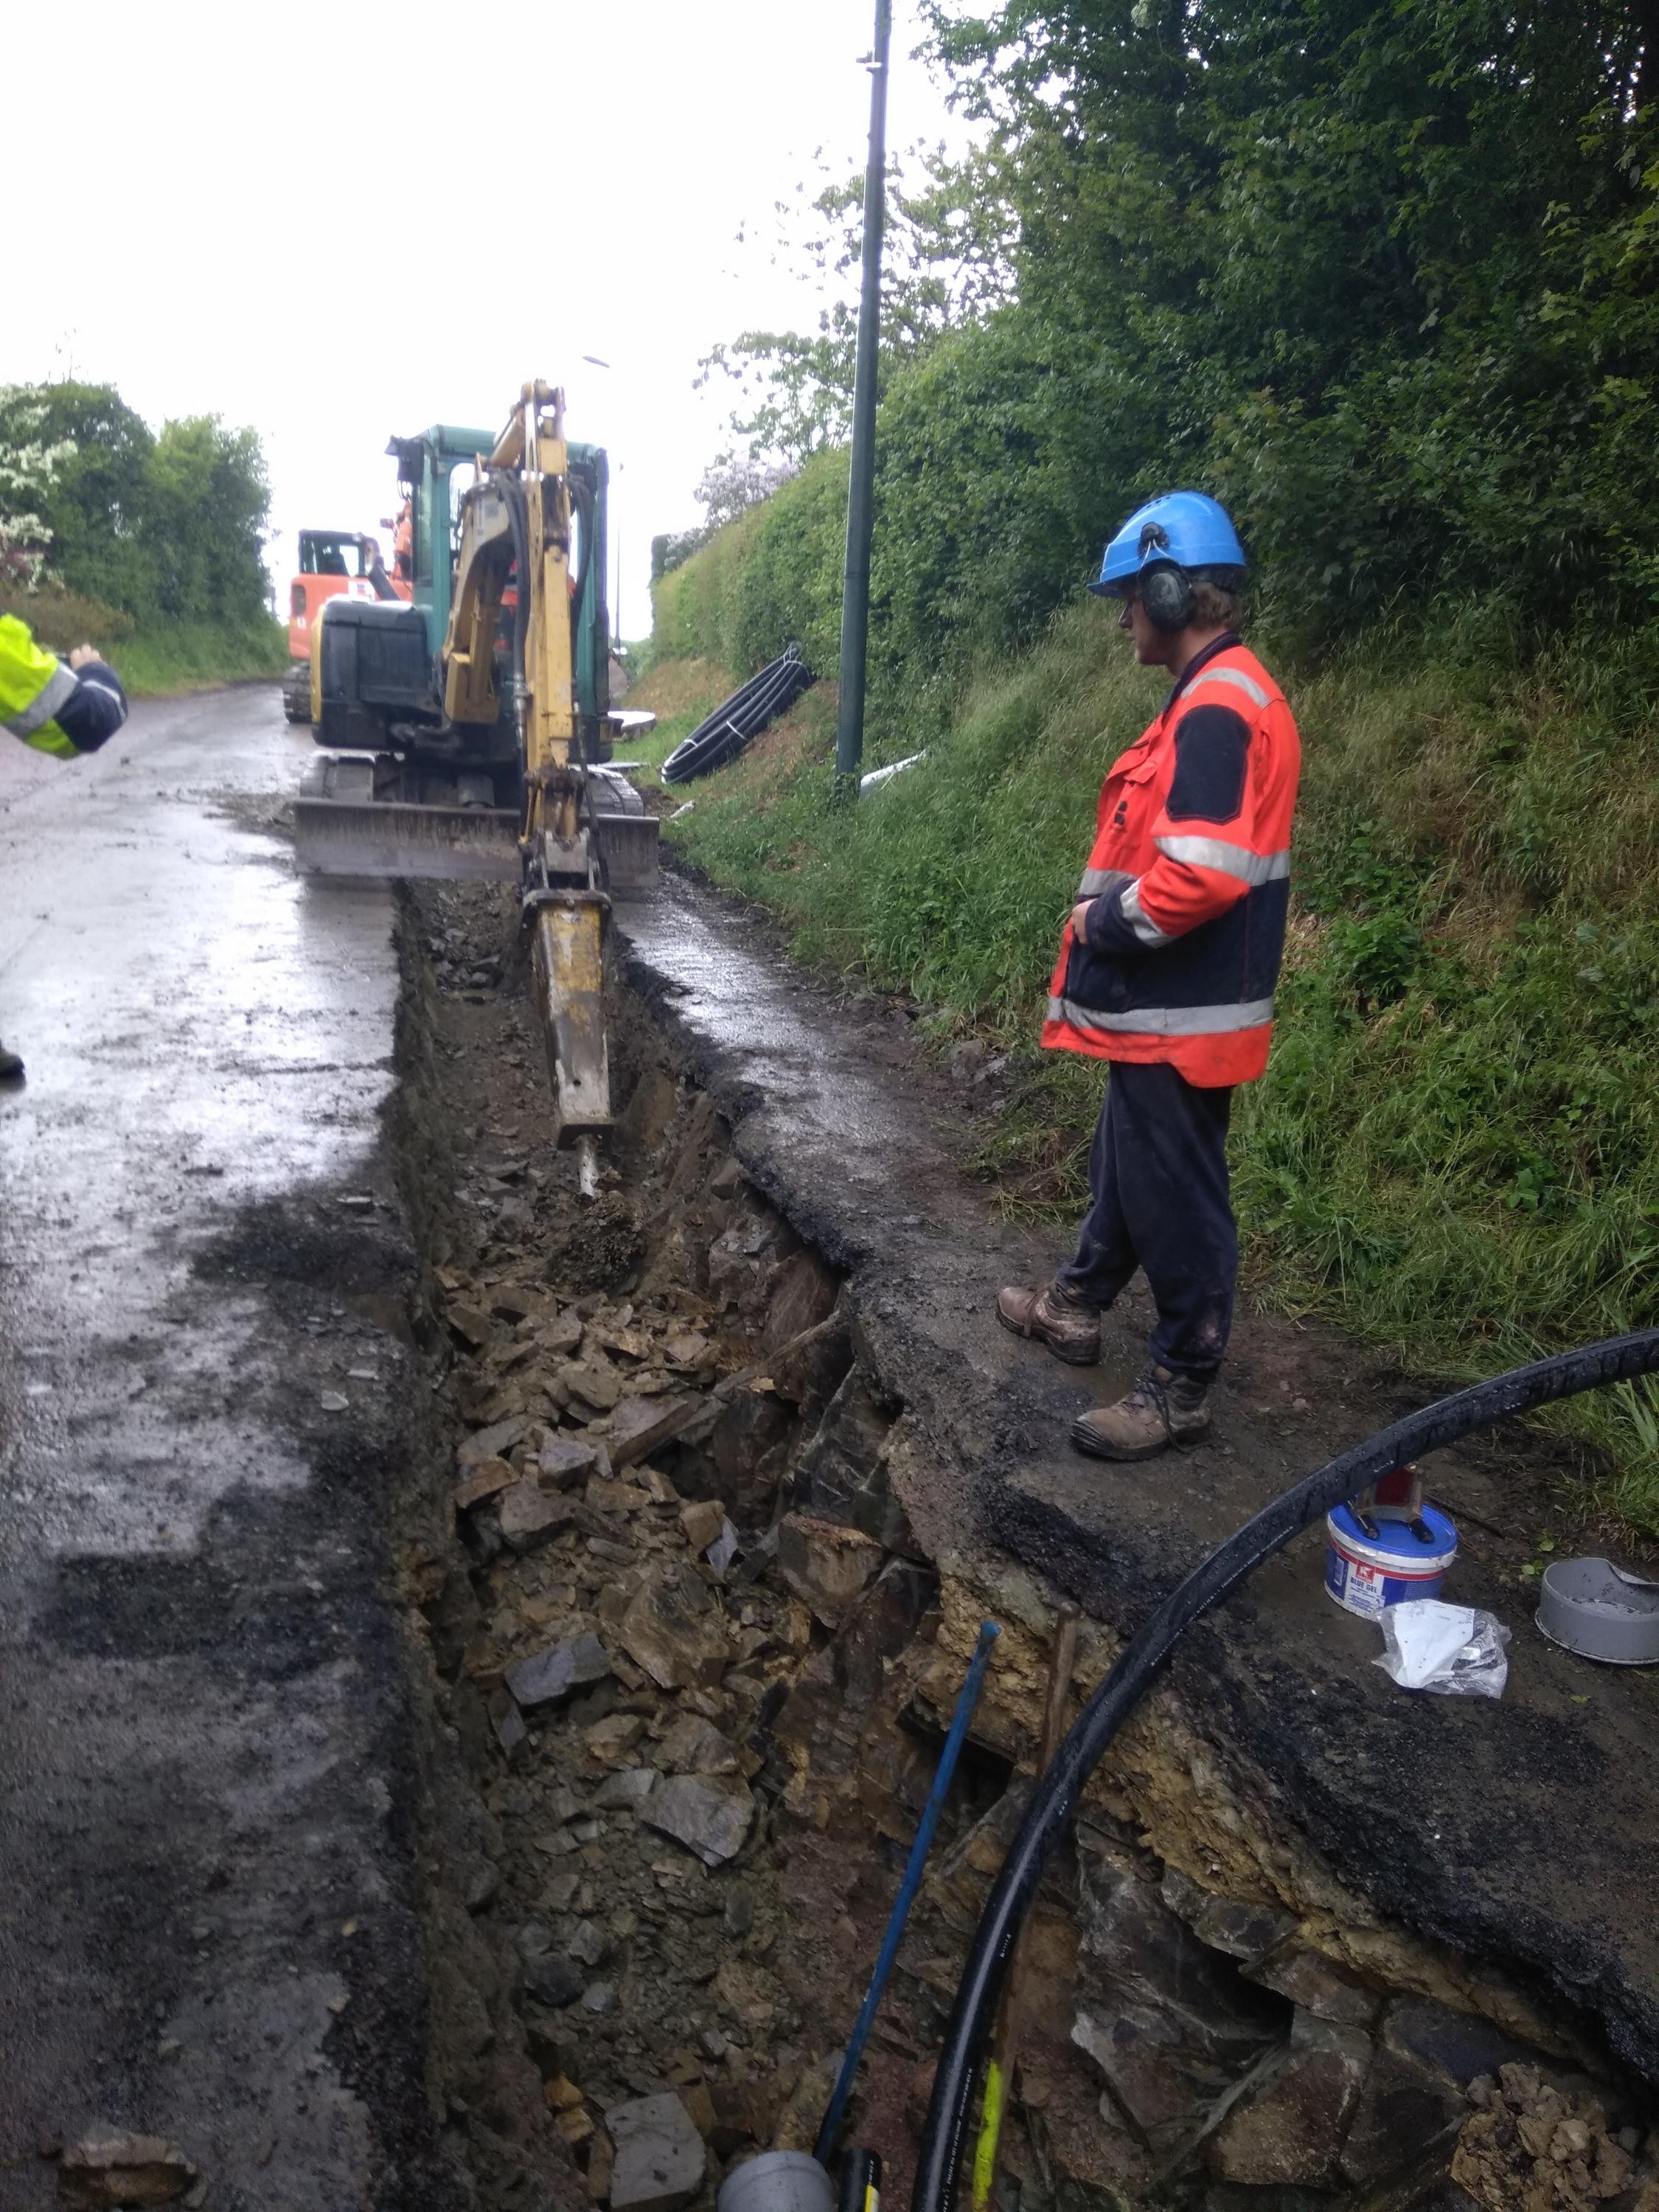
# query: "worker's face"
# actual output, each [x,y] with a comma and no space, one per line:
[1154,647]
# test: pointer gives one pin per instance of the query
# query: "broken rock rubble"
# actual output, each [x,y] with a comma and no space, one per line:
[623,1658]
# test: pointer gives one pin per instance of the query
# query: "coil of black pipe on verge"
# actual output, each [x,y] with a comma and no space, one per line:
[721,736]
[1055,1797]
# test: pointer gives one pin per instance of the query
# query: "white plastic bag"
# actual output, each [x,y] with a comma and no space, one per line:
[1452,1649]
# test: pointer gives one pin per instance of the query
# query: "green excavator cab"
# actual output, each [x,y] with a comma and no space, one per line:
[437,799]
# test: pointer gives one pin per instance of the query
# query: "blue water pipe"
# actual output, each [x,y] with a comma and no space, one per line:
[968,1698]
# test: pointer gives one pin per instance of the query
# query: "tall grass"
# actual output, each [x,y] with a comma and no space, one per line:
[1455,1151]
[680,693]
[163,657]
[196,656]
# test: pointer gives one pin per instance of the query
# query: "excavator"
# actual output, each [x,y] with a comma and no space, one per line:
[331,562]
[463,731]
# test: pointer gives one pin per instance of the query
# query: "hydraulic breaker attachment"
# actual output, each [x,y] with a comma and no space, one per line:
[567,954]
[566,911]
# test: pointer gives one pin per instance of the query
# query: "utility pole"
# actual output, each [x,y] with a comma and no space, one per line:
[861,481]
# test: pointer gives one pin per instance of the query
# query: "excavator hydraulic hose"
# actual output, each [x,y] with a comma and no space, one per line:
[1056,1796]
[513,493]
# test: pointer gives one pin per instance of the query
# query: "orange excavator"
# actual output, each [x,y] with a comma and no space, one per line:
[335,563]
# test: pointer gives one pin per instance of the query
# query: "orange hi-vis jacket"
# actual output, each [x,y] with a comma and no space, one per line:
[1189,880]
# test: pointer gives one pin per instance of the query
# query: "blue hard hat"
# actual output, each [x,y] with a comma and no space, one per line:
[1188,527]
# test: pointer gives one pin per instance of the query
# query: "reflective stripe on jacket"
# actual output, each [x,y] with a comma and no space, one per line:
[48,706]
[1189,879]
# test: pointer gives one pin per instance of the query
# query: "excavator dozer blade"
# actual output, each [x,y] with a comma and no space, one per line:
[378,837]
[628,844]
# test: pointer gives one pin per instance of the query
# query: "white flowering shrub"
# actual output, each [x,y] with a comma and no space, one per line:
[29,463]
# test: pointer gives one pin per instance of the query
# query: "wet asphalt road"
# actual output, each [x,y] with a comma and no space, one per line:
[203,1919]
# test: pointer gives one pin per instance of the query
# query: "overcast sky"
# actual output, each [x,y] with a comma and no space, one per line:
[337,222]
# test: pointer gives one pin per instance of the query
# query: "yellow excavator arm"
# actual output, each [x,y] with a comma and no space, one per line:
[520,511]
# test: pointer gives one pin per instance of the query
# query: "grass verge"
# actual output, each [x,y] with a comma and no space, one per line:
[196,656]
[1455,1151]
[680,693]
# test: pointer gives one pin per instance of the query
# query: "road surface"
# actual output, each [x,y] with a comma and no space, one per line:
[205,1927]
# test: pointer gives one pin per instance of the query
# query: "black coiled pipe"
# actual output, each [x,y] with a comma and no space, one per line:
[740,719]
[1055,1799]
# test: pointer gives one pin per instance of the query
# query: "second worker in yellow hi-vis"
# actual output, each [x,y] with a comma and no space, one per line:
[64,707]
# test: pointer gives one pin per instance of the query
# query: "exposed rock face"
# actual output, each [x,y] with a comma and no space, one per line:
[1287,2128]
[843,1474]
[1171,2023]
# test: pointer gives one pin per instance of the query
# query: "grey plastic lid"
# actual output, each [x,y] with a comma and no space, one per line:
[1601,1612]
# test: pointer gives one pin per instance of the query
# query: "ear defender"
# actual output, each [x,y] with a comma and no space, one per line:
[1166,593]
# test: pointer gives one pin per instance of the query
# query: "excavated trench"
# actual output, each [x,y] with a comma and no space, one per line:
[686,1672]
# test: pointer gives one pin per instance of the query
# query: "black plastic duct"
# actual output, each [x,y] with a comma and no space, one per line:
[740,719]
[1055,1797]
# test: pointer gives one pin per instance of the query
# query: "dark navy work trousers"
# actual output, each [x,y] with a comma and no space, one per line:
[1157,1171]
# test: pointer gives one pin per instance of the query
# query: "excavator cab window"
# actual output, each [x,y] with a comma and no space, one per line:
[328,554]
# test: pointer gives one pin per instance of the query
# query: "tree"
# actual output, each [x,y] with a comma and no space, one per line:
[95,505]
[167,527]
[946,262]
[734,482]
[206,498]
[1341,260]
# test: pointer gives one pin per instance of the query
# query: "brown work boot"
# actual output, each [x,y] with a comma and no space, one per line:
[1162,1409]
[11,1066]
[1069,1328]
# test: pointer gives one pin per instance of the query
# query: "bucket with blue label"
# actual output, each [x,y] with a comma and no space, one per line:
[1368,1568]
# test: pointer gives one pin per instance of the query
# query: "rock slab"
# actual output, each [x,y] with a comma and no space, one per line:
[673,1630]
[109,2166]
[555,1672]
[660,2159]
[532,1516]
[825,1565]
[710,1818]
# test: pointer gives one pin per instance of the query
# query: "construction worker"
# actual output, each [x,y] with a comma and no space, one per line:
[374,569]
[1167,967]
[403,542]
[65,709]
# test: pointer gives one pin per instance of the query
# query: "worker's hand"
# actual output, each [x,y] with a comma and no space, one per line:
[82,653]
[1080,921]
